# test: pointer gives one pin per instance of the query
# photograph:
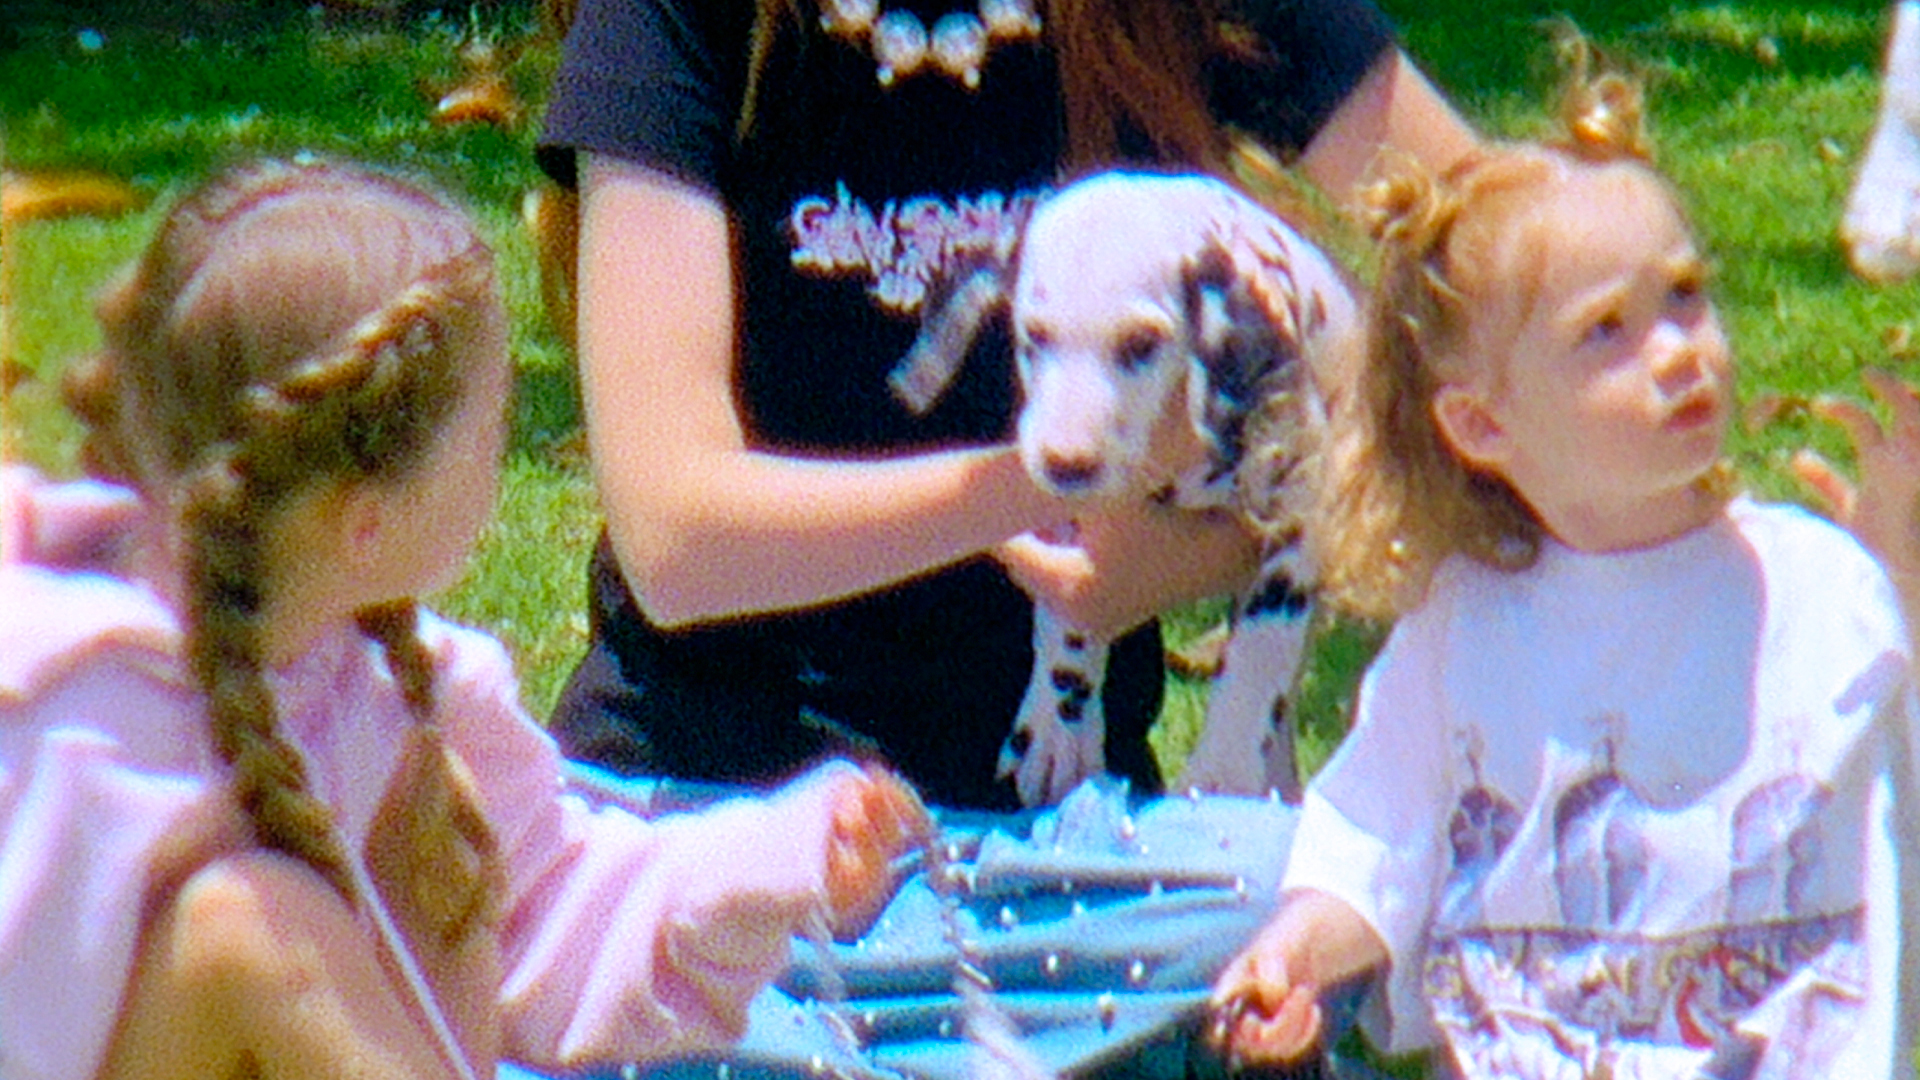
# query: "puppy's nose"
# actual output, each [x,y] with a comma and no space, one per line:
[1068,474]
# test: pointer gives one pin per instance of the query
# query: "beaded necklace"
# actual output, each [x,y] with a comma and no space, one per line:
[957,45]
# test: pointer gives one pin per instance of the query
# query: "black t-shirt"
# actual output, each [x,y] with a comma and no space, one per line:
[848,199]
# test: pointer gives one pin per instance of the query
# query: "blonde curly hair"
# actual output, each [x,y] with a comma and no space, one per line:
[1396,500]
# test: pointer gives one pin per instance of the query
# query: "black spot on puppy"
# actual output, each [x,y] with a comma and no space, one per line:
[1282,595]
[1075,691]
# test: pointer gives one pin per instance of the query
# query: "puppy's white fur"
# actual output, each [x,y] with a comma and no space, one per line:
[1152,315]
[1100,318]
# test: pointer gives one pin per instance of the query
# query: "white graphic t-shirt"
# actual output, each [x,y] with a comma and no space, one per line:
[1636,814]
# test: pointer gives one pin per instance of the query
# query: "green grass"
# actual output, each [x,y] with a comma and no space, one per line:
[161,112]
[1763,150]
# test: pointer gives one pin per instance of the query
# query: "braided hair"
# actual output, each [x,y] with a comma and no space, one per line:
[291,326]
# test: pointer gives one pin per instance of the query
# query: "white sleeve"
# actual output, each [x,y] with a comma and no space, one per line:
[1887,1039]
[1370,831]
[1883,1035]
[1885,1042]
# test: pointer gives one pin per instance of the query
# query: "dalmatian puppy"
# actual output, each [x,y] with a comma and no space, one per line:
[1158,321]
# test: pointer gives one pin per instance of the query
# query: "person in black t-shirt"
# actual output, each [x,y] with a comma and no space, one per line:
[794,564]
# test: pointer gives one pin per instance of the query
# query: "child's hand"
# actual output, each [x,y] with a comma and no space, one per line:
[1266,1004]
[876,819]
[1883,512]
[1263,1014]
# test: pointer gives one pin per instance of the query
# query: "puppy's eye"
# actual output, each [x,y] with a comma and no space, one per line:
[1138,349]
[1035,337]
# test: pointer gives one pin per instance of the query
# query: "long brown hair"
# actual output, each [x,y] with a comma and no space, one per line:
[1122,62]
[291,325]
[1124,65]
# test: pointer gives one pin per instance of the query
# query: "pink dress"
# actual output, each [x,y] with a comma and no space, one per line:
[624,939]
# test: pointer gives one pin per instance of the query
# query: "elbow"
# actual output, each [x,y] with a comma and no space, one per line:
[668,609]
[661,545]
[664,577]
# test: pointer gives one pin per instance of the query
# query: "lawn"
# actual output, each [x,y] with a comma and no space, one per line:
[1759,111]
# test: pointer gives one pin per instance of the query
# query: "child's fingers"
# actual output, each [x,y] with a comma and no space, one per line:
[894,810]
[850,861]
[854,894]
[1833,489]
[1853,417]
[1896,463]
[1899,398]
[1285,1033]
[1243,982]
[875,819]
[1883,509]
[1256,983]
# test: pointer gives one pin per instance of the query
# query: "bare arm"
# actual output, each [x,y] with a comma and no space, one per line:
[1393,110]
[705,527]
[1266,1003]
[256,966]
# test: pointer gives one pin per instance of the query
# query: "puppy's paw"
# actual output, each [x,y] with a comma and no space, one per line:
[1047,756]
[1253,763]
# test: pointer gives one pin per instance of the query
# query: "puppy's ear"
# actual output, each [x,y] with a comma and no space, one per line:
[1237,350]
[956,308]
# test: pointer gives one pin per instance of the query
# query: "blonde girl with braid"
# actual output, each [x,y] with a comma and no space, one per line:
[261,814]
[1629,788]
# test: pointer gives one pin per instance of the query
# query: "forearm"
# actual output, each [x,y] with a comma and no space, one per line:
[740,532]
[1195,557]
[639,939]
[706,527]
